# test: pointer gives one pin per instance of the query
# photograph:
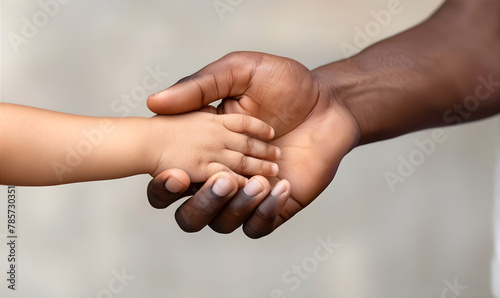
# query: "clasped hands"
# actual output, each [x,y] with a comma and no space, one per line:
[314,131]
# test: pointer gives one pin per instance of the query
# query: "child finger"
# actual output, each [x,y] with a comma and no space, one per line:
[216,167]
[249,125]
[253,147]
[245,165]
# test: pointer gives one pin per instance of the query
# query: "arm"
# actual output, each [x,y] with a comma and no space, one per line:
[41,147]
[442,72]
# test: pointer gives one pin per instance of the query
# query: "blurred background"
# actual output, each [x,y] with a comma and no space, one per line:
[102,239]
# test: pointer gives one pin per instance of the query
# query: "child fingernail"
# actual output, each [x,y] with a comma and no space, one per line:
[173,185]
[278,153]
[222,187]
[253,188]
[275,169]
[279,189]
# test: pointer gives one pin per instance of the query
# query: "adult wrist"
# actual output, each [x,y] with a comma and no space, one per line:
[351,91]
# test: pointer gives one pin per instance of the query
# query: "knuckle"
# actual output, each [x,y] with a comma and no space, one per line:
[243,165]
[246,122]
[265,217]
[217,168]
[249,145]
[184,223]
[157,203]
[206,204]
[270,150]
[217,227]
[254,232]
[234,211]
[160,198]
[260,225]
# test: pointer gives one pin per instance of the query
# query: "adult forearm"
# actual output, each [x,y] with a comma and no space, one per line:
[40,147]
[444,71]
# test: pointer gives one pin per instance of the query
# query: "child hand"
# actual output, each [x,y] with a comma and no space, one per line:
[203,144]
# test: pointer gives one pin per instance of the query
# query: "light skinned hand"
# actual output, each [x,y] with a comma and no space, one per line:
[204,144]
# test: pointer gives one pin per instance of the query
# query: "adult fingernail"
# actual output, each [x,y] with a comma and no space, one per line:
[222,187]
[173,185]
[279,189]
[253,188]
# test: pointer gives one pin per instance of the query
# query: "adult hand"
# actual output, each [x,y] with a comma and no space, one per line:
[418,79]
[314,131]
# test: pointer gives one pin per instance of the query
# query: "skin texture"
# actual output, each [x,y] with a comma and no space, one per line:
[41,147]
[418,79]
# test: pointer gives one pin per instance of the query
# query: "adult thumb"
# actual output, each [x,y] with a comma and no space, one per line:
[225,78]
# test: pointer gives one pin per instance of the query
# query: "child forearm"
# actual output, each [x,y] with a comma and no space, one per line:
[40,147]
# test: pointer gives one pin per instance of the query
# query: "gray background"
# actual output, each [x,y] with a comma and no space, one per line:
[436,226]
